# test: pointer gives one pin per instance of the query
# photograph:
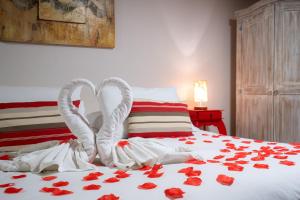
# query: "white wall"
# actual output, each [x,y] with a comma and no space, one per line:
[158,43]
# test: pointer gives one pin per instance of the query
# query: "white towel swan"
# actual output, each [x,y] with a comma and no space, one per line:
[134,152]
[74,155]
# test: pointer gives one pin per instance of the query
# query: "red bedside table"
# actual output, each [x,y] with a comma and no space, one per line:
[208,118]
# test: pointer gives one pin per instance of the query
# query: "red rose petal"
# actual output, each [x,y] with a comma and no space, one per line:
[60,192]
[6,185]
[49,189]
[225,180]
[174,193]
[92,176]
[12,190]
[224,150]
[241,162]
[195,181]
[156,167]
[120,172]
[195,161]
[154,174]
[236,168]
[92,187]
[193,173]
[4,157]
[144,168]
[49,178]
[213,161]
[96,174]
[189,142]
[19,176]
[185,170]
[280,157]
[125,175]
[123,143]
[258,158]
[261,166]
[109,197]
[182,139]
[286,162]
[218,157]
[147,186]
[60,184]
[111,180]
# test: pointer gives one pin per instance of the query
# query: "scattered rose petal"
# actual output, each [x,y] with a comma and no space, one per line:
[4,157]
[280,157]
[193,173]
[189,142]
[49,178]
[49,189]
[258,158]
[92,187]
[6,185]
[120,172]
[123,143]
[225,180]
[144,168]
[182,139]
[237,168]
[60,184]
[242,162]
[154,174]
[195,161]
[286,162]
[125,175]
[261,166]
[185,170]
[60,192]
[224,150]
[12,190]
[108,197]
[174,193]
[195,181]
[213,161]
[147,186]
[19,176]
[92,176]
[111,180]
[156,167]
[218,157]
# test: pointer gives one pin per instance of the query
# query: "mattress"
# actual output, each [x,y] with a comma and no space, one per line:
[275,176]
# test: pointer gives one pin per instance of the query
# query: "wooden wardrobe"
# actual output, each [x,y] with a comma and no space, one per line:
[268,71]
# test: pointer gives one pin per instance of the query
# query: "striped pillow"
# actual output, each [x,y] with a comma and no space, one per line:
[156,119]
[24,123]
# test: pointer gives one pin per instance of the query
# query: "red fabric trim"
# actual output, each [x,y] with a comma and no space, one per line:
[33,104]
[157,109]
[160,134]
[35,141]
[36,132]
[151,103]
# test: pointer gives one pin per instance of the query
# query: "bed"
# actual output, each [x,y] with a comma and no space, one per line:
[265,170]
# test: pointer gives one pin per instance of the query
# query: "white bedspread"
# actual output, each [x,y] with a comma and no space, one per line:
[279,182]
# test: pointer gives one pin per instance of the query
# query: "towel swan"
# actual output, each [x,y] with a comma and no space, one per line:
[134,152]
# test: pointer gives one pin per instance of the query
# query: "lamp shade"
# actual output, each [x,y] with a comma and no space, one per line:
[200,91]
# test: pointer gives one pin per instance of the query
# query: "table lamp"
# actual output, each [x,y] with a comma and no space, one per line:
[200,95]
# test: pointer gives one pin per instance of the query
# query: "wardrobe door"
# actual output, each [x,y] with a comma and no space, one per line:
[255,51]
[287,72]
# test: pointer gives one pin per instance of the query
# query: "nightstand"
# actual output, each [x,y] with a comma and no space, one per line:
[203,118]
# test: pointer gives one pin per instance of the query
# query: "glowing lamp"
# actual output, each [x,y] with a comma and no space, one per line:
[200,95]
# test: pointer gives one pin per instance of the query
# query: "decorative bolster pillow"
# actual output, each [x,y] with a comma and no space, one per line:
[150,119]
[24,123]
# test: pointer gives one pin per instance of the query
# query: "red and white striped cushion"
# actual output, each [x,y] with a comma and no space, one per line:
[159,119]
[23,123]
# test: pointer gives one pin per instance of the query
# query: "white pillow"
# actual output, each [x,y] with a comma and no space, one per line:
[111,97]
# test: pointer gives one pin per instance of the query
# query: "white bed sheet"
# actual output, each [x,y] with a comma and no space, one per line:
[279,182]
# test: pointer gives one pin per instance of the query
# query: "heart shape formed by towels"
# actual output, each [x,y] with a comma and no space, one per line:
[77,123]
